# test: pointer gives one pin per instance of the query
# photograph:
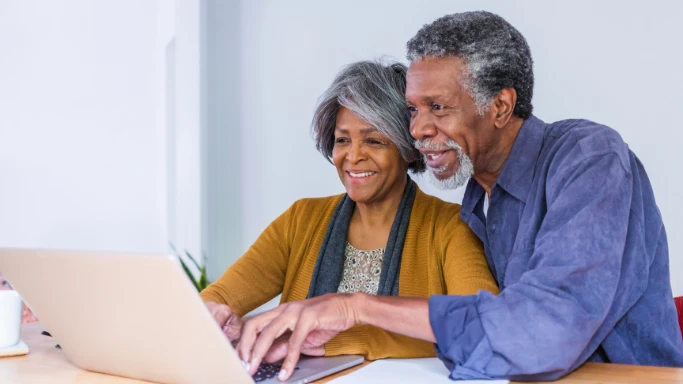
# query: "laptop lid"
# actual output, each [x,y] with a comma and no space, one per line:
[122,314]
[134,315]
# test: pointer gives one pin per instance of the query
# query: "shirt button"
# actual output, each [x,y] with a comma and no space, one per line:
[493,228]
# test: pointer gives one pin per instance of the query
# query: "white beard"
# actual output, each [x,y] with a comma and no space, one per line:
[458,179]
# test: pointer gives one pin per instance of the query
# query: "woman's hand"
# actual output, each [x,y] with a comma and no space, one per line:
[312,323]
[230,323]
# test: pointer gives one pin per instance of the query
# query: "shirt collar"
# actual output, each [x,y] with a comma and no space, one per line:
[518,171]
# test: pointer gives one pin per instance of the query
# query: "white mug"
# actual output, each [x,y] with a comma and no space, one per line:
[10,318]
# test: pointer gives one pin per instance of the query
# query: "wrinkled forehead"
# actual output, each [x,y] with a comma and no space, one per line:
[431,77]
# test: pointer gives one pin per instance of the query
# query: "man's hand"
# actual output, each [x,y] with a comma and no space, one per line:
[230,323]
[312,323]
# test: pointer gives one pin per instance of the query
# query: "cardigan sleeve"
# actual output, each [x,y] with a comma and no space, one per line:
[259,275]
[465,268]
[375,343]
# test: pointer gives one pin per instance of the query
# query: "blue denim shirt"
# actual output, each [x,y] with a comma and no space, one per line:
[577,244]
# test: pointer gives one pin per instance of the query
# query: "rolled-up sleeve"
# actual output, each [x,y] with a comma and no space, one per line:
[456,318]
[551,317]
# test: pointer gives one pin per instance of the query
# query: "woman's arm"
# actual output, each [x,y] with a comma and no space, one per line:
[465,268]
[259,274]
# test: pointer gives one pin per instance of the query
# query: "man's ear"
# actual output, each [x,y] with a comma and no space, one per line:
[503,106]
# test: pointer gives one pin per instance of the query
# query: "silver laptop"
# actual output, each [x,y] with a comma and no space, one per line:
[135,316]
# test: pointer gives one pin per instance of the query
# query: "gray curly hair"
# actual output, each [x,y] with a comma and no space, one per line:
[496,55]
[375,93]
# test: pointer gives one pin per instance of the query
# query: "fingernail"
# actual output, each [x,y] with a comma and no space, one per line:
[282,375]
[247,366]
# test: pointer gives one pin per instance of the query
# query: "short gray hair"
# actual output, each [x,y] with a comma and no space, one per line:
[375,93]
[496,55]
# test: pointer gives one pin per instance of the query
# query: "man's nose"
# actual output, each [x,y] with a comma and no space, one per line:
[422,127]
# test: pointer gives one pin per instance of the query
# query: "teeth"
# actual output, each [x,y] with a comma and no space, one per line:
[364,174]
[434,156]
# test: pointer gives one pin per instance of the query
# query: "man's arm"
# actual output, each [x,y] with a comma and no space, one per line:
[315,321]
[552,318]
[405,315]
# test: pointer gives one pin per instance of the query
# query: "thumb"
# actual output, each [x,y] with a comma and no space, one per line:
[313,351]
[277,352]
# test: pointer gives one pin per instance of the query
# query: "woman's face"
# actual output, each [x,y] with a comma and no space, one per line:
[369,164]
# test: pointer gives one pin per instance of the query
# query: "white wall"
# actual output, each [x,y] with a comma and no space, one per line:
[101,126]
[86,163]
[82,158]
[222,150]
[186,164]
[615,62]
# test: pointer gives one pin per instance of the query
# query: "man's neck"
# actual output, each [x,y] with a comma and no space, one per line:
[498,155]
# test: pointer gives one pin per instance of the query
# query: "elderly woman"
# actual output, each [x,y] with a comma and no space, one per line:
[382,237]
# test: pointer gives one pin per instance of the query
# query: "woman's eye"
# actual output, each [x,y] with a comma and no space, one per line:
[341,140]
[375,142]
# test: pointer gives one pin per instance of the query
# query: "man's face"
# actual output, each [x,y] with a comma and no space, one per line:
[445,122]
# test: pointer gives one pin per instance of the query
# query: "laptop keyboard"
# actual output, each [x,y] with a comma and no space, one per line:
[267,371]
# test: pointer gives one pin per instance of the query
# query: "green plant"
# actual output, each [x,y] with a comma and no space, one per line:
[203,280]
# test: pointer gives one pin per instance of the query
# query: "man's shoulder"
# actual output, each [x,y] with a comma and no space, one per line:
[576,140]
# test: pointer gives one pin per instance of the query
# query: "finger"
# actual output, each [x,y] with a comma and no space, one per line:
[277,352]
[250,330]
[229,315]
[303,327]
[233,329]
[226,325]
[272,331]
[221,313]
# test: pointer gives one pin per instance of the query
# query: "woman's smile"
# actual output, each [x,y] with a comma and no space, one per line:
[360,176]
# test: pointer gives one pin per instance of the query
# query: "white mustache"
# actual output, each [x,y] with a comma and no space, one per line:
[428,144]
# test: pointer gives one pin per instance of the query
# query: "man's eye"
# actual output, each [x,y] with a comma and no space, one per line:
[438,107]
[411,109]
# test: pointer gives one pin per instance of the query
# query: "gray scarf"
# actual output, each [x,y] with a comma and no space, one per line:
[330,264]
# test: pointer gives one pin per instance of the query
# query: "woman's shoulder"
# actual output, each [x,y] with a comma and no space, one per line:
[315,205]
[440,209]
[442,216]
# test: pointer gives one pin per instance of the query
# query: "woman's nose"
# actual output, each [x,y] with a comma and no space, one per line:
[355,153]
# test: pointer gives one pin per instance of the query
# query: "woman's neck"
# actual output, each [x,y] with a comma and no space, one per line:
[371,222]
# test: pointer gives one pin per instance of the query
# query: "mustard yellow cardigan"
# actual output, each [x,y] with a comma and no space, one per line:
[441,255]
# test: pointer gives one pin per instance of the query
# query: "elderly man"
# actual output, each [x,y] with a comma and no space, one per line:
[565,210]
